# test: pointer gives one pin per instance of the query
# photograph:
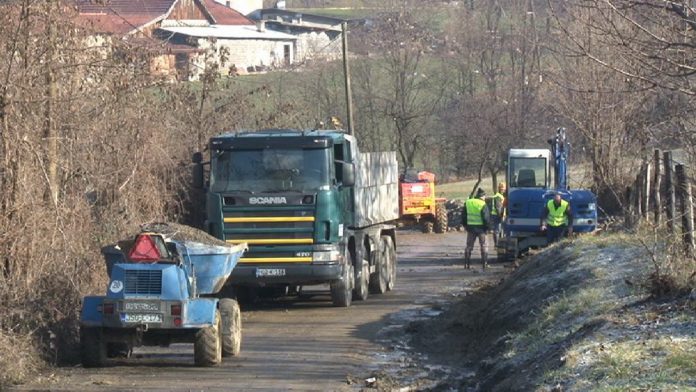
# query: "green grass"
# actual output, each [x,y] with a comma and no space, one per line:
[342,13]
[461,190]
[636,364]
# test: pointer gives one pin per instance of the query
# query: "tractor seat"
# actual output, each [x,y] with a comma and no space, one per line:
[526,178]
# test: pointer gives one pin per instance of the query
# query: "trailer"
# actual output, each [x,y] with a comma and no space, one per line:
[160,291]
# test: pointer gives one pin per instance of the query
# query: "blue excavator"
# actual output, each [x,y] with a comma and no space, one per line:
[534,176]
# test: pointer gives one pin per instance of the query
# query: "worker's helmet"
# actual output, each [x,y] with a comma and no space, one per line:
[501,185]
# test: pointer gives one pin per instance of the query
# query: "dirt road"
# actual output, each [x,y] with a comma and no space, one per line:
[306,344]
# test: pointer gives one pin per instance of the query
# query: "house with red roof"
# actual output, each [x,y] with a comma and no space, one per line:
[188,36]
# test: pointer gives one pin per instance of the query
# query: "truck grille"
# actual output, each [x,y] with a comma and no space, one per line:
[269,226]
[143,282]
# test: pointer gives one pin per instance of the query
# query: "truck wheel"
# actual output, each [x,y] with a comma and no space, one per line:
[231,327]
[92,347]
[362,281]
[441,219]
[427,226]
[379,281]
[342,290]
[391,261]
[207,347]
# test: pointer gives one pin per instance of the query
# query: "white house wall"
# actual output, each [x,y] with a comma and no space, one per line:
[317,46]
[243,53]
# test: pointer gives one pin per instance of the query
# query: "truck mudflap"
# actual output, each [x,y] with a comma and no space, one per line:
[200,312]
[91,315]
[270,274]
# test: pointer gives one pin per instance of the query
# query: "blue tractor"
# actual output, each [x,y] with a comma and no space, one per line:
[160,291]
[530,187]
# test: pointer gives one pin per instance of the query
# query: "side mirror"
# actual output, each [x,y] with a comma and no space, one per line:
[197,157]
[348,174]
[197,175]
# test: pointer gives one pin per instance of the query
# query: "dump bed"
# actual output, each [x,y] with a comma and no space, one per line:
[376,188]
[209,262]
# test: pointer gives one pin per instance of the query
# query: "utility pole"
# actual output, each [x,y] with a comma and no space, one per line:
[346,75]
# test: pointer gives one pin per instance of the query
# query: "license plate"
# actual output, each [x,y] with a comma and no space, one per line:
[142,318]
[261,272]
[141,306]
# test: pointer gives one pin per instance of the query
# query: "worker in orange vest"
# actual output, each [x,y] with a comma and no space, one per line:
[498,212]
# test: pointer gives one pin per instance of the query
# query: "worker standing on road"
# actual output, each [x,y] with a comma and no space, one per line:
[476,219]
[556,218]
[498,212]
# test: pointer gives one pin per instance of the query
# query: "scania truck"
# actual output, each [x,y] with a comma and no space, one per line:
[312,208]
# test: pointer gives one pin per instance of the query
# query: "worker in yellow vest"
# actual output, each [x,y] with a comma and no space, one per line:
[556,218]
[476,219]
[498,212]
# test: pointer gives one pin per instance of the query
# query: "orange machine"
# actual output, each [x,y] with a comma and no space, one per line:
[418,204]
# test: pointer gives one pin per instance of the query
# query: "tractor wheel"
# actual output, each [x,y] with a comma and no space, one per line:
[92,347]
[427,226]
[231,327]
[362,281]
[441,219]
[342,290]
[207,347]
[390,256]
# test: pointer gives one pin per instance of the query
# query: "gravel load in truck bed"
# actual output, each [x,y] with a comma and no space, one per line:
[181,233]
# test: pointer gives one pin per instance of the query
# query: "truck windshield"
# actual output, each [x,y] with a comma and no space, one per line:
[270,170]
[528,172]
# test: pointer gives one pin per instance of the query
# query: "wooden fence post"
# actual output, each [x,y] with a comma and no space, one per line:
[628,209]
[639,195]
[645,173]
[656,189]
[687,208]
[671,198]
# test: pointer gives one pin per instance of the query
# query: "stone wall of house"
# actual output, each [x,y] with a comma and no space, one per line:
[318,46]
[247,55]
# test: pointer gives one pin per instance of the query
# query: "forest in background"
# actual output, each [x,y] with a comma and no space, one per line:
[91,144]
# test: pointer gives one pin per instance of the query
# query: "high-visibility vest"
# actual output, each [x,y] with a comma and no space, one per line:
[497,196]
[473,212]
[557,216]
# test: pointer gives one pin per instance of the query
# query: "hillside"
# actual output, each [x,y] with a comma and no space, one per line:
[577,316]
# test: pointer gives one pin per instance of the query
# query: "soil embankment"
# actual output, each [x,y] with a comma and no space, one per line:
[573,317]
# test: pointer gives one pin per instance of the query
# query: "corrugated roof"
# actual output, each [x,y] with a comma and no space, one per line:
[224,15]
[228,32]
[116,24]
[122,16]
[124,7]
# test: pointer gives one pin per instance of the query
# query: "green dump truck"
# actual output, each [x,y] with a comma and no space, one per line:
[312,208]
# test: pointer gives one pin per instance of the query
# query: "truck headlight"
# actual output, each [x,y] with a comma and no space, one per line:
[325,257]
[591,206]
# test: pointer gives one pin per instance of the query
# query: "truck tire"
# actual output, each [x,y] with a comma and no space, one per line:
[342,290]
[427,226]
[92,347]
[207,346]
[231,333]
[391,261]
[362,281]
[441,219]
[379,280]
